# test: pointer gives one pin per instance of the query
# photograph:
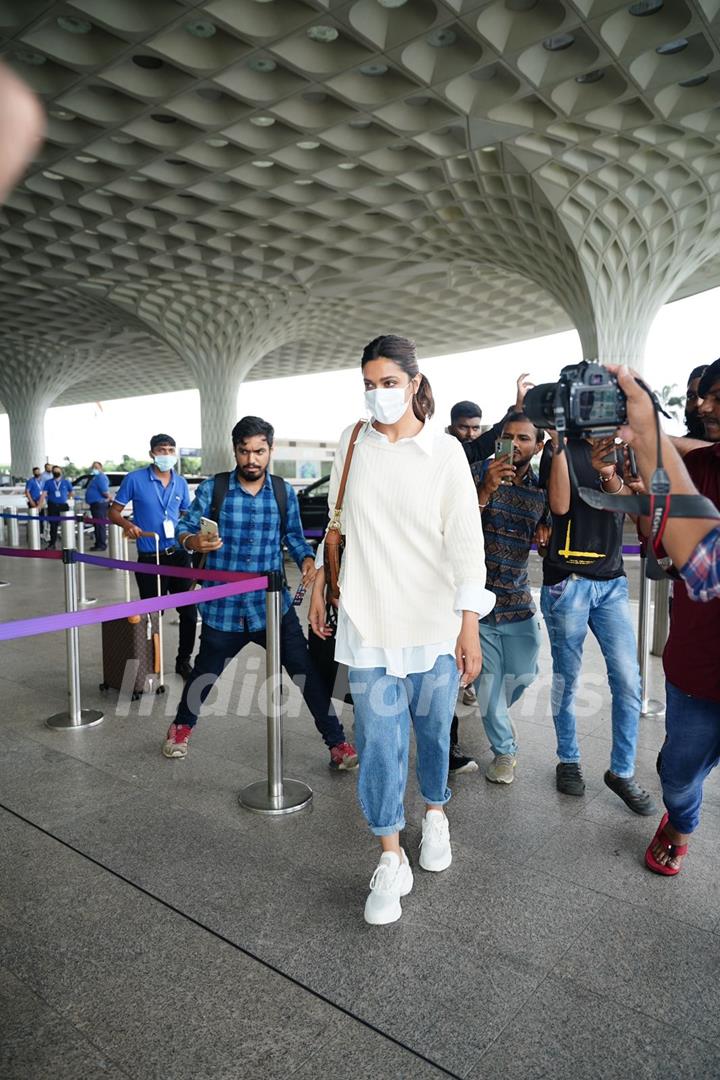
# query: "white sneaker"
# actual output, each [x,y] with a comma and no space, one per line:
[435,850]
[391,880]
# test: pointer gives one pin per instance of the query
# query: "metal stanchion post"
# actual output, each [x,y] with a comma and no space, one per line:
[33,529]
[276,795]
[114,541]
[76,717]
[83,600]
[126,573]
[3,525]
[12,526]
[648,706]
[117,549]
[661,620]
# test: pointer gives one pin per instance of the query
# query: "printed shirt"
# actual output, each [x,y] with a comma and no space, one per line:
[701,573]
[509,523]
[153,504]
[58,491]
[691,654]
[249,527]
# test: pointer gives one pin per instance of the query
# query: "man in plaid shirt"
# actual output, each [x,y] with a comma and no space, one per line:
[249,539]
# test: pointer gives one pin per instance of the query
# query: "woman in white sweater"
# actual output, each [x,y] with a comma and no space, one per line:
[412,588]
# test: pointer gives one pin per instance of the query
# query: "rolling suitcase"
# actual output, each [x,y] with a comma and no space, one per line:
[132,649]
[131,655]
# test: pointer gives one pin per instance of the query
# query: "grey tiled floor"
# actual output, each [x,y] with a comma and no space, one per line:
[150,928]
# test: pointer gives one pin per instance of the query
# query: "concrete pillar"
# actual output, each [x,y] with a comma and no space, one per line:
[27,431]
[219,387]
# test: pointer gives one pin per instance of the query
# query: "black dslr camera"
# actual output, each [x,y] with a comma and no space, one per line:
[585,400]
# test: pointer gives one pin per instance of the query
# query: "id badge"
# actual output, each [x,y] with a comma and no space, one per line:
[168,529]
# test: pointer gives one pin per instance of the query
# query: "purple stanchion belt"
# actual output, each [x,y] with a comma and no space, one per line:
[47,624]
[236,584]
[28,553]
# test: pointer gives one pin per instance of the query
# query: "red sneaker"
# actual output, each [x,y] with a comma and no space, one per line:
[176,741]
[343,756]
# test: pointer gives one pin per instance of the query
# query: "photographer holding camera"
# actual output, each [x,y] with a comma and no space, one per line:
[693,544]
[584,583]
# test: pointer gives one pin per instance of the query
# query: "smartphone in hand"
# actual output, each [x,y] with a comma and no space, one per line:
[208,528]
[505,447]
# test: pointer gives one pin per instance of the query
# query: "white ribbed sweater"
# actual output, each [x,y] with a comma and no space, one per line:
[413,537]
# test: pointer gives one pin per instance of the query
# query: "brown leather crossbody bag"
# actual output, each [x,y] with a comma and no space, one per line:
[334,542]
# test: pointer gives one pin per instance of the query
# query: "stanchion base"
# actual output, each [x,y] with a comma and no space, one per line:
[256,797]
[62,722]
[652,707]
[88,600]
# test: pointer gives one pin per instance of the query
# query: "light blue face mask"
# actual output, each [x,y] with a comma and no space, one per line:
[165,462]
[94,472]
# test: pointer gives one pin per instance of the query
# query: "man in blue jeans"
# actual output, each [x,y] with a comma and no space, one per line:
[250,538]
[584,585]
[514,514]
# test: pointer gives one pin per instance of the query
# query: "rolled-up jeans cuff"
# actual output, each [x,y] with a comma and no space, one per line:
[437,802]
[388,830]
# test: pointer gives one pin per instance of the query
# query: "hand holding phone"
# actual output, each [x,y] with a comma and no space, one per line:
[208,527]
[504,447]
[208,538]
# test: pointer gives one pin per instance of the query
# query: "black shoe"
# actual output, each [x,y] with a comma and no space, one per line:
[99,547]
[639,800]
[459,762]
[569,778]
[184,668]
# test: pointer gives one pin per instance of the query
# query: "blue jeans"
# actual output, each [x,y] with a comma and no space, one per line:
[569,608]
[691,750]
[510,654]
[384,707]
[218,647]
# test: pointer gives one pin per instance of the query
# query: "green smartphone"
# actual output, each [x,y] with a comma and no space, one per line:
[505,447]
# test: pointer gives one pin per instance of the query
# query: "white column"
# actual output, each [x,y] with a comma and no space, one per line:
[27,432]
[218,415]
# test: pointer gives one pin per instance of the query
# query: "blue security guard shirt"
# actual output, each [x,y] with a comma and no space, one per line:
[58,491]
[33,488]
[153,504]
[249,528]
[95,491]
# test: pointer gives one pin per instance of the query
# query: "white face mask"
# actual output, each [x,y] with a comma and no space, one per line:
[165,462]
[387,405]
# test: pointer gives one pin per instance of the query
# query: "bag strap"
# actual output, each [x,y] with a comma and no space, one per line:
[220,490]
[280,493]
[346,467]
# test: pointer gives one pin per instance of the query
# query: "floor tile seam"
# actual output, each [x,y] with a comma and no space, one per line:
[509,1021]
[635,905]
[233,945]
[66,1020]
[711,1044]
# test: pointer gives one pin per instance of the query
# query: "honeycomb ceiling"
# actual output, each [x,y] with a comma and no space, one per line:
[246,189]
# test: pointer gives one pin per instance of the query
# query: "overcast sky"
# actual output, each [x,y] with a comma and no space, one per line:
[320,406]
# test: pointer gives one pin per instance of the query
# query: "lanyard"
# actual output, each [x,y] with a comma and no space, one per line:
[58,490]
[167,492]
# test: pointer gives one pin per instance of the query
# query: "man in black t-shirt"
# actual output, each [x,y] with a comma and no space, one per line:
[584,585]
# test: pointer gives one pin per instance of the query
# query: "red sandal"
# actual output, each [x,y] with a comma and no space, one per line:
[673,850]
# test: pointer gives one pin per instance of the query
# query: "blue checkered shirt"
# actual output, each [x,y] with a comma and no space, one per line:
[249,527]
[702,570]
